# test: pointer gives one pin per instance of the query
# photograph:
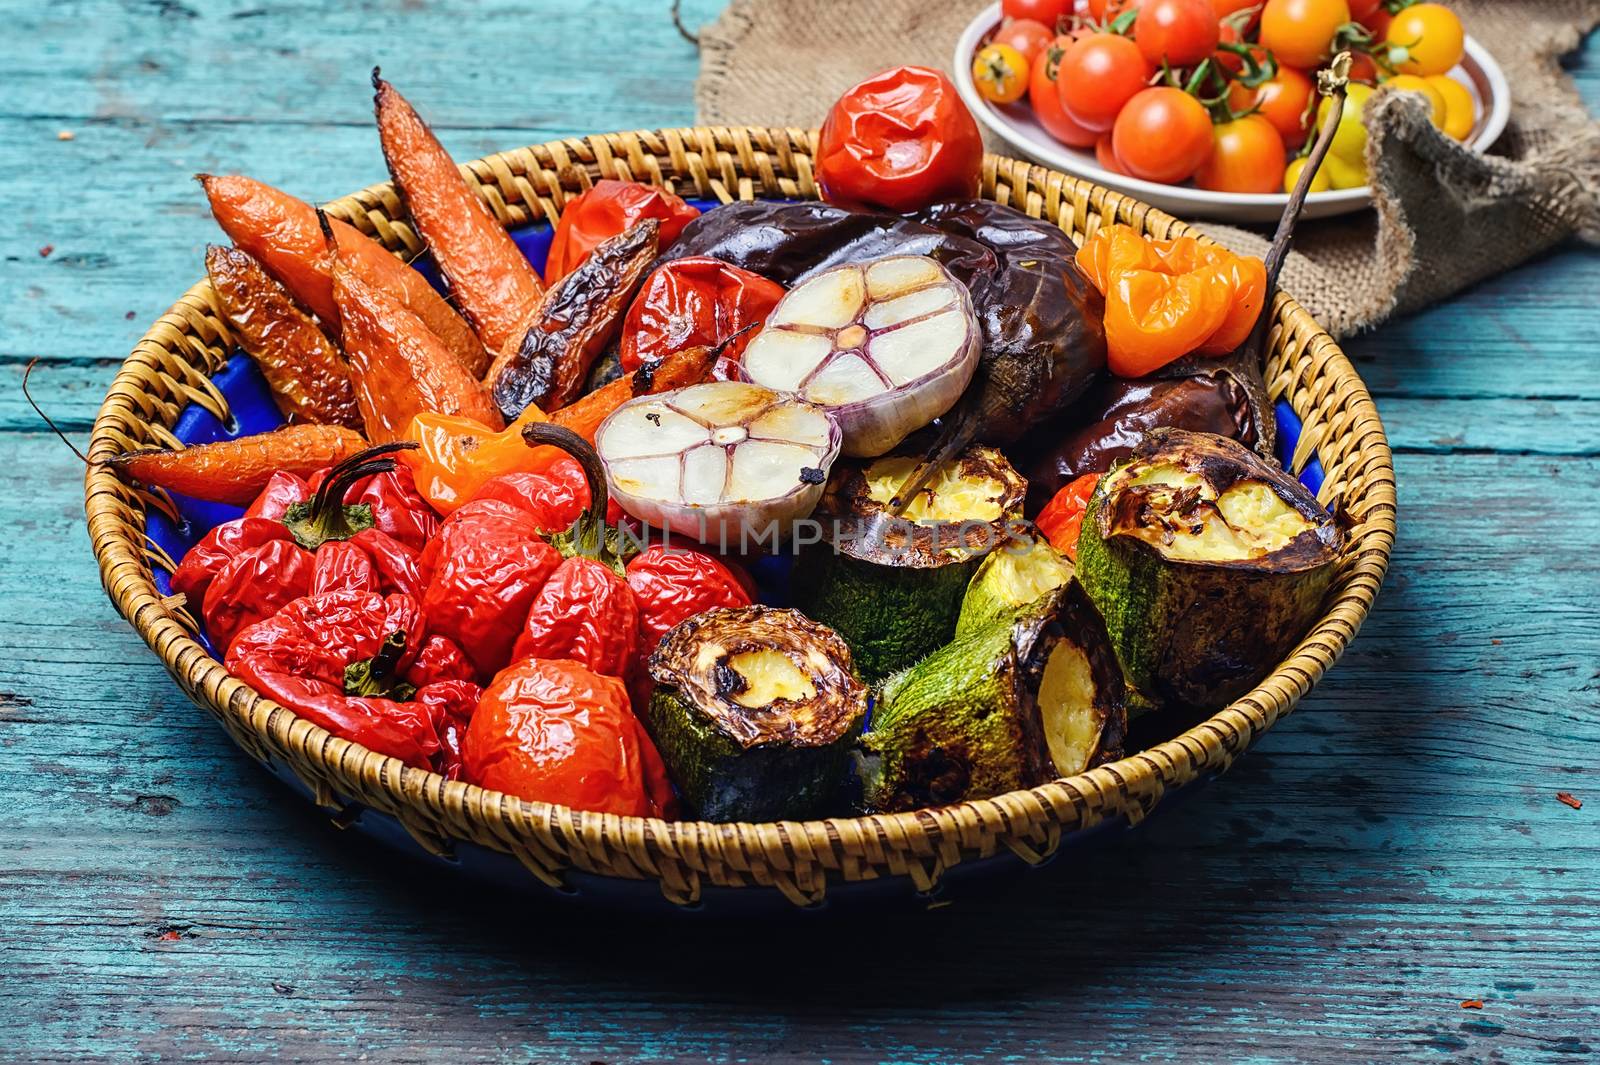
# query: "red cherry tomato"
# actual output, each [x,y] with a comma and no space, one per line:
[1223,8]
[1106,156]
[1246,156]
[1377,23]
[1178,32]
[1026,35]
[901,139]
[1098,75]
[1163,134]
[1106,10]
[1361,10]
[1045,11]
[1283,99]
[1363,68]
[1046,98]
[1300,32]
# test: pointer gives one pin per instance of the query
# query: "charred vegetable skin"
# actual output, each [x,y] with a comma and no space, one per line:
[754,713]
[1019,701]
[1208,564]
[893,587]
[549,356]
[1043,344]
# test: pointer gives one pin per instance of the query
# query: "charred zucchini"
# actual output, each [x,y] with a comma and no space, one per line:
[1208,563]
[1013,575]
[892,587]
[1021,700]
[754,713]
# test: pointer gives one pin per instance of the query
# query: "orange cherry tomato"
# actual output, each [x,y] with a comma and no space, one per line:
[1098,75]
[1179,33]
[1300,32]
[1247,155]
[1046,99]
[1027,36]
[1163,134]
[901,139]
[1283,99]
[1000,73]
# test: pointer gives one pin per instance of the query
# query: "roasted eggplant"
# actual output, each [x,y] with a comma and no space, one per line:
[548,358]
[1208,563]
[892,586]
[1027,697]
[755,711]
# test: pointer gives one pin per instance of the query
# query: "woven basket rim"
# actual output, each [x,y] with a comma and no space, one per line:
[728,163]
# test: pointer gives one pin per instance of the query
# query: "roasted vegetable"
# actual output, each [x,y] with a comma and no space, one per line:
[696,301]
[723,462]
[307,376]
[284,235]
[236,471]
[892,587]
[754,712]
[548,357]
[608,208]
[1208,564]
[400,369]
[1061,520]
[1013,575]
[493,284]
[886,347]
[1027,697]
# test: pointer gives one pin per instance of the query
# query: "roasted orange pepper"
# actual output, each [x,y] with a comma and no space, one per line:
[1167,298]
[1061,520]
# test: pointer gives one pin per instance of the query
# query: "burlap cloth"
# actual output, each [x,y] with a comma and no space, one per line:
[1445,217]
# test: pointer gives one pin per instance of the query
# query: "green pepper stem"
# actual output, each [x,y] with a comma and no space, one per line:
[588,532]
[325,516]
[378,677]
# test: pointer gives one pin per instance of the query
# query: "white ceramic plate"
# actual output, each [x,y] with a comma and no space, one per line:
[1015,124]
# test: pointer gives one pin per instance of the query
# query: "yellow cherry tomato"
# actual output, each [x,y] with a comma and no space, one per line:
[1344,174]
[1425,39]
[1412,83]
[1350,139]
[1320,181]
[1460,113]
[1001,73]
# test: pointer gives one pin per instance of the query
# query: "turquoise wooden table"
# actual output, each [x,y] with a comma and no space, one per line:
[1392,849]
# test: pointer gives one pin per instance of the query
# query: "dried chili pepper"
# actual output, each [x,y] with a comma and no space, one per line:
[283,233]
[558,732]
[494,285]
[237,471]
[548,360]
[308,378]
[345,660]
[698,301]
[608,208]
[1062,518]
[1167,298]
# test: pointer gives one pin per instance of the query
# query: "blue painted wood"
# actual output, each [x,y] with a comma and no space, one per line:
[1391,849]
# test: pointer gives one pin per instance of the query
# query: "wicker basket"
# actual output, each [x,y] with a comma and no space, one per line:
[170,368]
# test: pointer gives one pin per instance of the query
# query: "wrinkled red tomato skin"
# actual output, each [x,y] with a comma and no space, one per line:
[586,613]
[673,584]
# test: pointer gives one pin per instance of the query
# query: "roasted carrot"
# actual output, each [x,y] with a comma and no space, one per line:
[688,366]
[235,471]
[399,368]
[307,376]
[282,232]
[492,283]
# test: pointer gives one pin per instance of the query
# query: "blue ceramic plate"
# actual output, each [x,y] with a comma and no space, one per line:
[254,412]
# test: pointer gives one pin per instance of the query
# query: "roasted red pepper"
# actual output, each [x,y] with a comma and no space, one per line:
[692,302]
[245,570]
[558,732]
[901,139]
[347,661]
[555,497]
[673,584]
[584,612]
[604,211]
[1061,520]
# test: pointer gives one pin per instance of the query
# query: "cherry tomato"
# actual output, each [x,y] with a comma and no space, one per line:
[1224,8]
[1429,37]
[1299,32]
[1412,83]
[1046,99]
[1045,11]
[1460,113]
[901,139]
[1163,134]
[1026,36]
[1363,68]
[1283,99]
[1001,73]
[1098,75]
[1246,156]
[1377,23]
[1363,9]
[1106,10]
[1179,32]
[1350,139]
[1106,155]
[1320,182]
